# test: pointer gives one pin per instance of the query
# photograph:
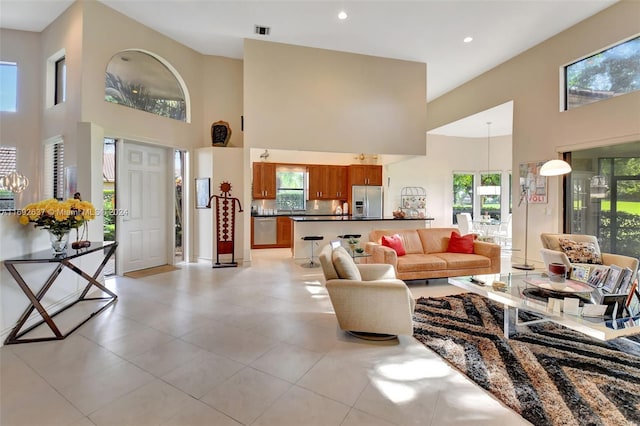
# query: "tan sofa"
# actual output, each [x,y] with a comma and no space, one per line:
[427,257]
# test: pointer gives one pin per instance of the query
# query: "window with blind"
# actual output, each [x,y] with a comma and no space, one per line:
[7,165]
[54,170]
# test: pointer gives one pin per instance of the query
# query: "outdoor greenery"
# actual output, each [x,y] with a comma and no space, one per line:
[620,232]
[109,217]
[137,96]
[627,239]
[290,190]
[611,72]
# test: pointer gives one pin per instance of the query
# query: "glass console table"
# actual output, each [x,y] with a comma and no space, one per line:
[63,261]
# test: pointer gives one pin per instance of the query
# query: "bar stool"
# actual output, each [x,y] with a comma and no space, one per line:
[312,238]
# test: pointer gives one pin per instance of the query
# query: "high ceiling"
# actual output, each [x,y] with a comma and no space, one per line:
[427,31]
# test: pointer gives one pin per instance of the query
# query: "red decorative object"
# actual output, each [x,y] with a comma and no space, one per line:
[394,242]
[225,211]
[460,244]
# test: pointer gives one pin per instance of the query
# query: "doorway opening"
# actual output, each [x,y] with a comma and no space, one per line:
[178,173]
[109,204]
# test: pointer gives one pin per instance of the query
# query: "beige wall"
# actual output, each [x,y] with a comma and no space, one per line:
[435,171]
[540,130]
[304,98]
[222,86]
[108,32]
[21,129]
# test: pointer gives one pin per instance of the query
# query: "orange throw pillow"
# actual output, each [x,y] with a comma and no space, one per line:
[394,242]
[460,244]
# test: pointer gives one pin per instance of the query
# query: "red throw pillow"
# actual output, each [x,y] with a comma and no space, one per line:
[460,244]
[394,242]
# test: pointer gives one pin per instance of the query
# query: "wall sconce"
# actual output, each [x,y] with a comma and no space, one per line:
[14,182]
[367,158]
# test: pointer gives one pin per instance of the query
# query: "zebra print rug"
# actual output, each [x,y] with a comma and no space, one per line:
[548,374]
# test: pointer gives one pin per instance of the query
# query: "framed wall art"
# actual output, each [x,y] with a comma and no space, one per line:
[533,182]
[203,192]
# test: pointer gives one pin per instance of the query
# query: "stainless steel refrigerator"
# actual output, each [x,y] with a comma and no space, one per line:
[367,201]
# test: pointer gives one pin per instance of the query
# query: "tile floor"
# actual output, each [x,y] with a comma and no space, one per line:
[254,345]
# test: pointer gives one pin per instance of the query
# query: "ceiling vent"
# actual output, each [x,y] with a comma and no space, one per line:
[264,31]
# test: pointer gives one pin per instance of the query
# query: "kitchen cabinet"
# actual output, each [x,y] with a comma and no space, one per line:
[264,181]
[284,231]
[327,182]
[337,182]
[365,174]
[271,232]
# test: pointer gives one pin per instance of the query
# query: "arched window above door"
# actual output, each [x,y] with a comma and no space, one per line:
[146,82]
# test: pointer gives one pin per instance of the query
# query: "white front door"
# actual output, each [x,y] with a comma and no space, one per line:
[142,193]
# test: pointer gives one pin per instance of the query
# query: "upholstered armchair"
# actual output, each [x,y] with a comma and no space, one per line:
[586,251]
[368,300]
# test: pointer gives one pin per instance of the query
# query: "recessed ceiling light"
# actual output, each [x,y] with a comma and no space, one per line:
[342,15]
[468,39]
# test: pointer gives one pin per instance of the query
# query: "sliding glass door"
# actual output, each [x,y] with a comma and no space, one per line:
[603,197]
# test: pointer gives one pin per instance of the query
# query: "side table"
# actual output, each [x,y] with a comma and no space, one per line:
[63,261]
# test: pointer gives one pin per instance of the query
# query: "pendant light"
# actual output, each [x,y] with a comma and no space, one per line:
[488,189]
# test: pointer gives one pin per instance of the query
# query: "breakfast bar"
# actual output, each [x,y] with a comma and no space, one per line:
[331,227]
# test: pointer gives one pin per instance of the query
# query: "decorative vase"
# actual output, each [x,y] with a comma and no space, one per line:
[59,240]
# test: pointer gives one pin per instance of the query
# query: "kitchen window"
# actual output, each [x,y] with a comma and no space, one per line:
[290,188]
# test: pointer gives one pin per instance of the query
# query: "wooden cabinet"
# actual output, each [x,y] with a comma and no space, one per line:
[264,181]
[327,182]
[284,231]
[316,181]
[364,174]
[337,182]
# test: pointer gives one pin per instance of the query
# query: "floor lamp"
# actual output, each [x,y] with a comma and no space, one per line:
[550,168]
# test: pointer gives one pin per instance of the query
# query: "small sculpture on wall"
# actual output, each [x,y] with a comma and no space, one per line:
[220,133]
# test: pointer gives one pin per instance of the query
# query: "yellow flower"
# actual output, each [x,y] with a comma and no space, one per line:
[24,220]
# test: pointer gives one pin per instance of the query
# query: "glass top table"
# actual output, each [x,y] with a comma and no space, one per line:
[520,293]
[36,293]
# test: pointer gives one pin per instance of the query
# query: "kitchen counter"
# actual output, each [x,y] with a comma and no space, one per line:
[330,227]
[317,218]
[295,214]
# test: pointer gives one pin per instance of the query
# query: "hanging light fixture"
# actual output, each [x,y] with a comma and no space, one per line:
[598,186]
[14,182]
[488,189]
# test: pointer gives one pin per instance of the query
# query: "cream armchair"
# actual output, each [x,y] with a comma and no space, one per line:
[552,252]
[377,306]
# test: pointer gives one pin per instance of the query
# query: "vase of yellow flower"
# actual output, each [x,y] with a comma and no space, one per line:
[59,218]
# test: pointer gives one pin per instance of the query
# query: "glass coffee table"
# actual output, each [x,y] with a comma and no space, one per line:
[520,294]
